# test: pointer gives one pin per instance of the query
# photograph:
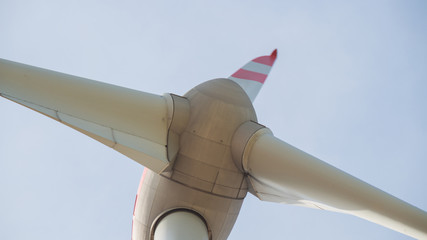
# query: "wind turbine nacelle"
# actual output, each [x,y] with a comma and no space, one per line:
[203,179]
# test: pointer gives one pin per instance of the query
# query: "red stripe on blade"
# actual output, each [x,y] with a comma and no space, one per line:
[267,60]
[249,75]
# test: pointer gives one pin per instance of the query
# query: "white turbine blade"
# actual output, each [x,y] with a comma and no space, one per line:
[279,172]
[251,77]
[132,122]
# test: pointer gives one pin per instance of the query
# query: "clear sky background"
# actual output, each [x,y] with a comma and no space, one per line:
[349,87]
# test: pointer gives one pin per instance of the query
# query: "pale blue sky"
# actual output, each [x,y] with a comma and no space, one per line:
[349,87]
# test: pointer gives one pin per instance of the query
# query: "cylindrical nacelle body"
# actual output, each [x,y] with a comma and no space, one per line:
[180,224]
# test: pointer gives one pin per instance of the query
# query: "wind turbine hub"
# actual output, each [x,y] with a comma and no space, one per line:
[204,161]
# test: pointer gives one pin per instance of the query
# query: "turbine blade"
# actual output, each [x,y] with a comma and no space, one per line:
[251,77]
[132,122]
[279,172]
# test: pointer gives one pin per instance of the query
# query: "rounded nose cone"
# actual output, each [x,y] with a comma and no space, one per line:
[217,108]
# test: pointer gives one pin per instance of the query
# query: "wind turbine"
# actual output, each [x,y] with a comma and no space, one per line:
[205,150]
